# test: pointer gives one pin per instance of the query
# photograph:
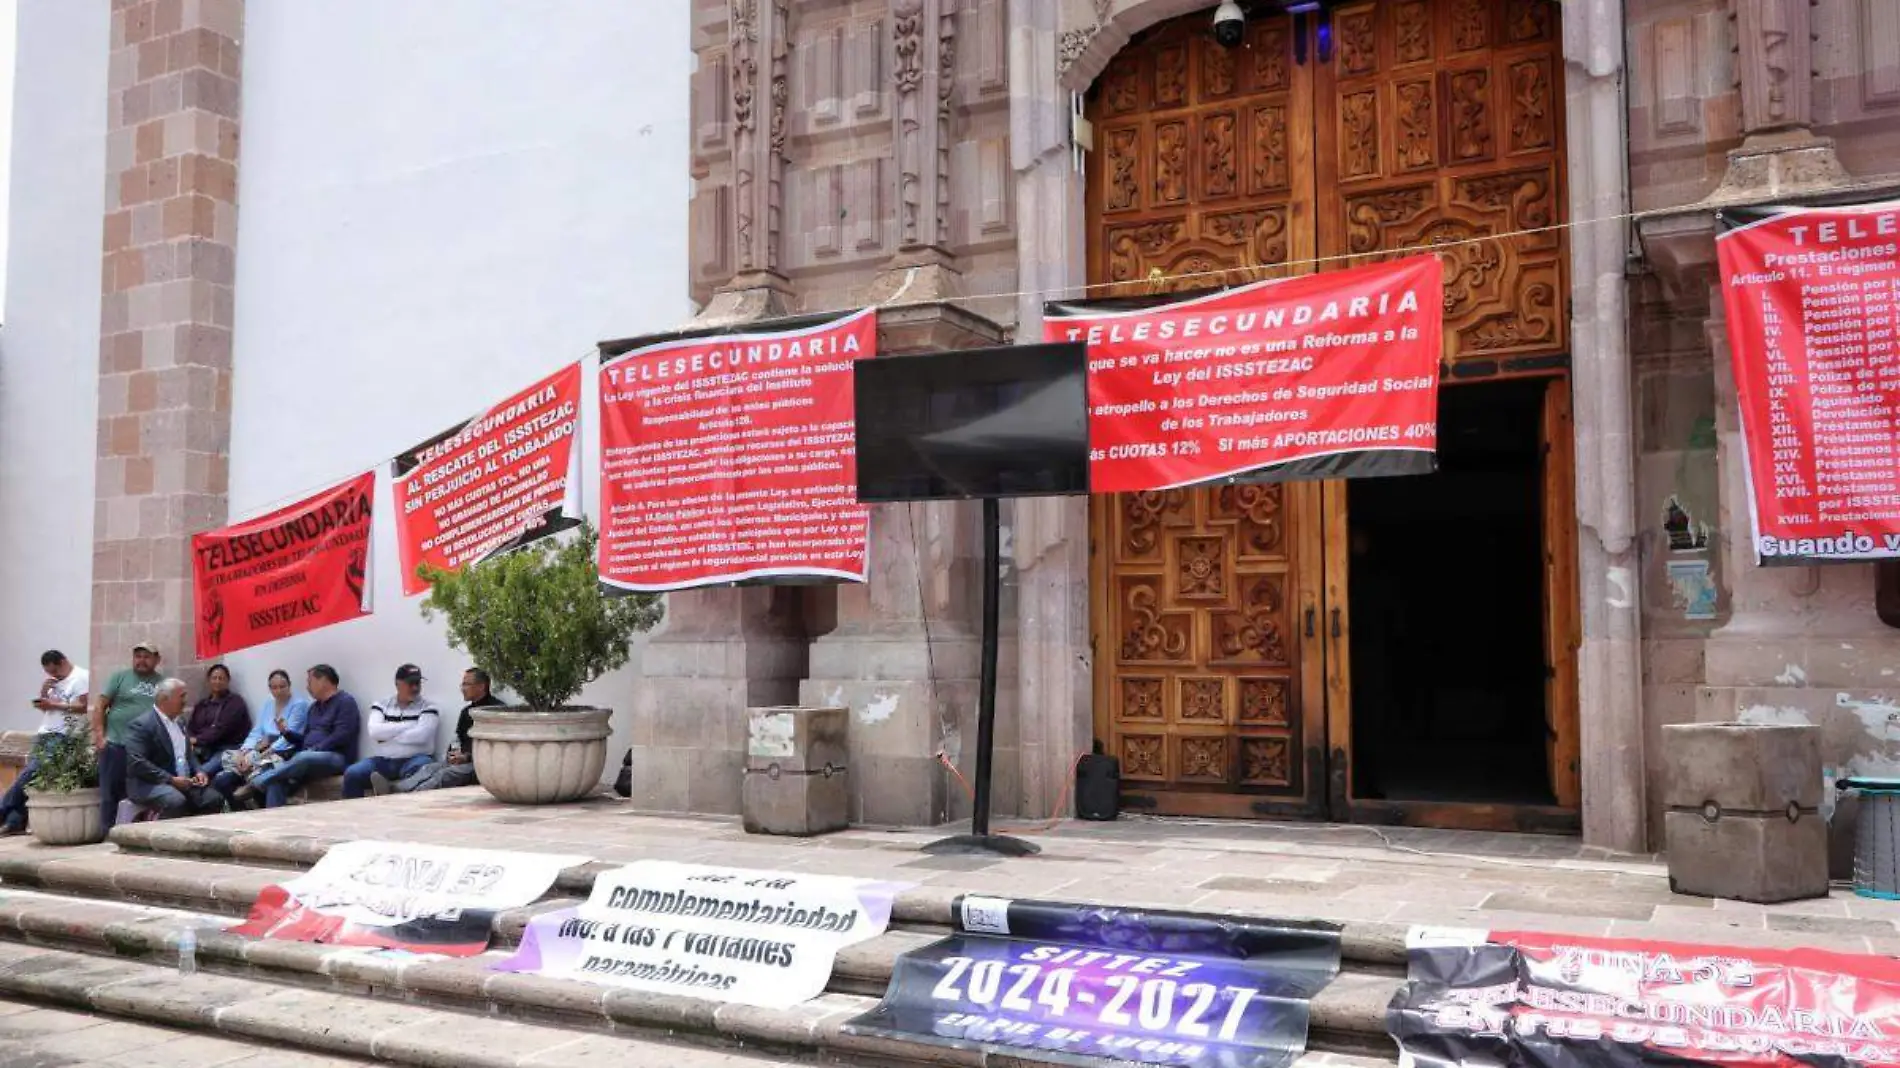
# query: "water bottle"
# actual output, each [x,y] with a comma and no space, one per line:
[188,952]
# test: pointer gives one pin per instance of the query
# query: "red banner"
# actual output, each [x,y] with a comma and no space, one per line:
[502,479]
[731,458]
[299,568]
[1813,301]
[1578,1002]
[1330,375]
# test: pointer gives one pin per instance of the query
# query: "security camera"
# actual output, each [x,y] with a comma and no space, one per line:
[1230,24]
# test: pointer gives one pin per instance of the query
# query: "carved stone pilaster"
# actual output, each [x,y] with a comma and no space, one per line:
[760,38]
[1776,53]
[924,38]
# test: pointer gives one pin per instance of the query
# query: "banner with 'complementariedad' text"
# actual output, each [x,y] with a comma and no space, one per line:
[498,481]
[731,458]
[1331,375]
[299,568]
[1813,302]
[1563,1001]
[721,934]
[403,895]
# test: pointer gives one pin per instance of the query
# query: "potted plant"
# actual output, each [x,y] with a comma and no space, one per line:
[537,620]
[62,804]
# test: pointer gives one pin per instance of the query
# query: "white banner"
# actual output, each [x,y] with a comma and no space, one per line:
[725,934]
[429,898]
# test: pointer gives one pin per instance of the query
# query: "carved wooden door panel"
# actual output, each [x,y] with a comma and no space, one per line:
[1441,121]
[1207,687]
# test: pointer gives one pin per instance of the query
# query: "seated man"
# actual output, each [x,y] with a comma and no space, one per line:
[265,747]
[459,768]
[63,694]
[327,742]
[402,732]
[161,771]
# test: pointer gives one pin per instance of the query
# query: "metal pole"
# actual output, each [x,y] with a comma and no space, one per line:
[986,682]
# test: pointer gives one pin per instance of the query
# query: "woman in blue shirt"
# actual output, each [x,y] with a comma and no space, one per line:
[266,746]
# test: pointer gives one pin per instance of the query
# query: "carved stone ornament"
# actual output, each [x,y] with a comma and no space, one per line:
[745,79]
[1077,41]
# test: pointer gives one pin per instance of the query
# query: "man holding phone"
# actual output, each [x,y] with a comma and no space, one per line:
[162,772]
[63,694]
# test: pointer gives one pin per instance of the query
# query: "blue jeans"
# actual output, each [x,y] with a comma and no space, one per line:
[287,778]
[111,783]
[395,769]
[13,804]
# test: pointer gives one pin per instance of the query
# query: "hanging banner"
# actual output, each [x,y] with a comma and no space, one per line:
[731,458]
[1561,1001]
[1077,984]
[1331,375]
[299,568]
[505,478]
[721,934]
[403,895]
[1813,302]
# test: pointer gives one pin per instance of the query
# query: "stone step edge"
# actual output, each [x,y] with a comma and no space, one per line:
[1361,941]
[1347,1017]
[239,1006]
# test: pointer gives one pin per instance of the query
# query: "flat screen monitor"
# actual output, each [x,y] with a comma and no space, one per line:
[1001,422]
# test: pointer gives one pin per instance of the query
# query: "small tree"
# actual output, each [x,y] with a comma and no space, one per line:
[537,620]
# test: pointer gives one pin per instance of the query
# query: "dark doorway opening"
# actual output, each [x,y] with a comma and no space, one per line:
[1447,599]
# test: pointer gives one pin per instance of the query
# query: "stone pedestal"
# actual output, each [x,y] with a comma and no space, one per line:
[1743,816]
[797,778]
[719,652]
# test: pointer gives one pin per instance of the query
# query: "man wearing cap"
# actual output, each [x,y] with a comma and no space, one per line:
[126,696]
[402,732]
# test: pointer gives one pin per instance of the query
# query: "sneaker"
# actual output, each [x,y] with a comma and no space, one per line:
[244,793]
[9,831]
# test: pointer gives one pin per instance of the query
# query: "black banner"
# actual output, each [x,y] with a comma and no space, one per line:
[1563,1001]
[1078,984]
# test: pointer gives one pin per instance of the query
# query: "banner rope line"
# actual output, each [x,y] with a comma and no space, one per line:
[1155,279]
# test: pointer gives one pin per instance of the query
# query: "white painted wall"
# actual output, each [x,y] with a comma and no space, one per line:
[49,345]
[435,211]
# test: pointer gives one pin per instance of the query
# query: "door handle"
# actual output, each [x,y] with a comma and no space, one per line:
[1309,621]
[1335,624]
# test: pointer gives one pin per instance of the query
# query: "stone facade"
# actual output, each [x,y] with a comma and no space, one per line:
[166,314]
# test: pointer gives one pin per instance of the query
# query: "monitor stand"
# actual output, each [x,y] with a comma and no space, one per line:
[980,842]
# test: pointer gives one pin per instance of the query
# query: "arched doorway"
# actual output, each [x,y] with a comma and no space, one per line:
[1394,650]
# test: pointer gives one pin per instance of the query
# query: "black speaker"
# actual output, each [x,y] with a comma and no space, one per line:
[1098,787]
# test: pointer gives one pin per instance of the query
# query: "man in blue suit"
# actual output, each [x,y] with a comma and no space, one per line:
[161,771]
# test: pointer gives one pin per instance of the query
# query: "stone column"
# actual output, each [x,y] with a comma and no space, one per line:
[924,42]
[760,44]
[719,652]
[1610,659]
[165,317]
[1775,64]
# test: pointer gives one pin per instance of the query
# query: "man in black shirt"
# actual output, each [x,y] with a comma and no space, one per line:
[458,769]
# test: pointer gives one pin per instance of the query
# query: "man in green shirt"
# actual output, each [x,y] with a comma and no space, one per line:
[124,698]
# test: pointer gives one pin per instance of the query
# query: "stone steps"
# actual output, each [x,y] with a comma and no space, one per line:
[100,901]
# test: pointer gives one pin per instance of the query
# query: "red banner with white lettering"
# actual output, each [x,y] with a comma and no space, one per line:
[496,482]
[1331,375]
[1813,302]
[299,568]
[1563,1001]
[731,458]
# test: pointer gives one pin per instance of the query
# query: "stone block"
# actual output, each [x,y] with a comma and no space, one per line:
[1763,859]
[1741,767]
[794,803]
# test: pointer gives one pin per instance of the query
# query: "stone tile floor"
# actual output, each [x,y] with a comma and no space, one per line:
[1345,873]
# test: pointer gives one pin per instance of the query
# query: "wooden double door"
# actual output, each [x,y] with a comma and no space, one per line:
[1223,630]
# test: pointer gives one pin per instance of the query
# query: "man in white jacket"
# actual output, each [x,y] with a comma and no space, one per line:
[402,732]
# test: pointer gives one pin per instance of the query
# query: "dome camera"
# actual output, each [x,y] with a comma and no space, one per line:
[1230,24]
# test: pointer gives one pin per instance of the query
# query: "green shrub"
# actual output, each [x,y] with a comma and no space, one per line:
[537,619]
[68,763]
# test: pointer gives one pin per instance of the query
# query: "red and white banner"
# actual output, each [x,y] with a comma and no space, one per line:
[1563,1001]
[1331,375]
[299,568]
[498,481]
[403,895]
[1813,302]
[731,458]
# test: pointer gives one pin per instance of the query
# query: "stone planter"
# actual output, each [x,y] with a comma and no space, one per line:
[64,819]
[540,758]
